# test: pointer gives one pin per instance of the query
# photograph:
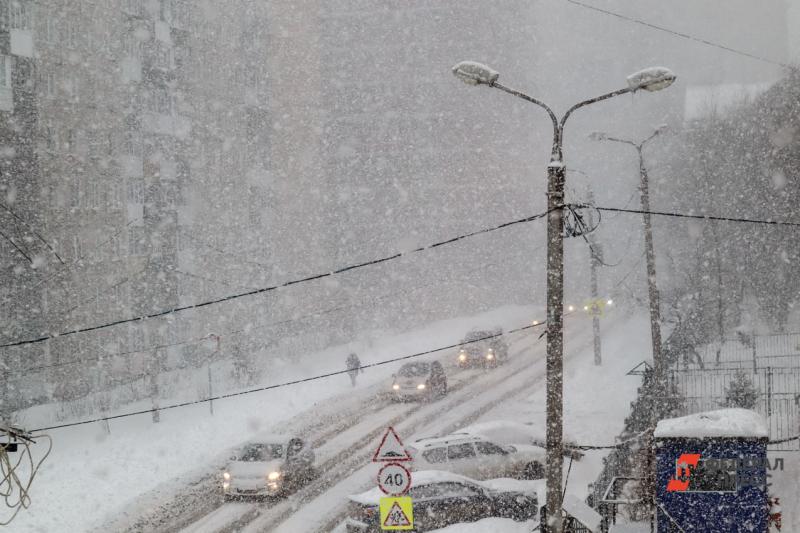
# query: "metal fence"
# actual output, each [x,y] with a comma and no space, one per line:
[772,365]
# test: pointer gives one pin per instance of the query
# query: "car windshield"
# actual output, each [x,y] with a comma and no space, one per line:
[412,370]
[261,452]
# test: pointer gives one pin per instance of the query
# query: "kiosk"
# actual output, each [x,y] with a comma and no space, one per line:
[711,473]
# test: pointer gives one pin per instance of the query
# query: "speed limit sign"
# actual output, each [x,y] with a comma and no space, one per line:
[394,479]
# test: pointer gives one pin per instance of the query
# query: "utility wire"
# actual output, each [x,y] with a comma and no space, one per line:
[273,287]
[682,35]
[696,217]
[225,334]
[9,239]
[287,383]
[13,214]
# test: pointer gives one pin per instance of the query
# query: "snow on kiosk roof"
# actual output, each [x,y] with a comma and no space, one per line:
[720,423]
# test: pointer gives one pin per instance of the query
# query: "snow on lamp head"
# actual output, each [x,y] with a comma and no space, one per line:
[474,73]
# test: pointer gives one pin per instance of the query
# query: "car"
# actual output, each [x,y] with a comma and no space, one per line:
[419,380]
[443,498]
[483,348]
[272,466]
[478,457]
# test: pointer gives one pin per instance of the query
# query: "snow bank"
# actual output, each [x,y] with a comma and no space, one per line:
[720,423]
[496,525]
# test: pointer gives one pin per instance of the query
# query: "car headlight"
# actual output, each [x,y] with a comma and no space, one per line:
[225,485]
[396,386]
[273,476]
[226,476]
[421,386]
[490,356]
[462,357]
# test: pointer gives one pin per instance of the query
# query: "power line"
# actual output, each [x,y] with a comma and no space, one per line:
[262,290]
[9,239]
[198,340]
[17,217]
[682,35]
[286,383]
[696,217]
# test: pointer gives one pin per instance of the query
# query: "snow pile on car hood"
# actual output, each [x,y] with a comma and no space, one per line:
[719,423]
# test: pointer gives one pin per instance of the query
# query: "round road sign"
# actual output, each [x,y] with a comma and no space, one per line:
[394,479]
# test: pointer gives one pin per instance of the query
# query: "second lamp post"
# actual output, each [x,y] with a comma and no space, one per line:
[652,289]
[651,79]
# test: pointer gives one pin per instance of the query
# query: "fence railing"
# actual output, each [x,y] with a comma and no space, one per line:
[776,395]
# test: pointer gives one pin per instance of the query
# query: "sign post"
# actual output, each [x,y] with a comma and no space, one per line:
[394,480]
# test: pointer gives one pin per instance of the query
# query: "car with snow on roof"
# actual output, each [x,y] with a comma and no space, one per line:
[419,380]
[478,457]
[444,498]
[483,348]
[271,466]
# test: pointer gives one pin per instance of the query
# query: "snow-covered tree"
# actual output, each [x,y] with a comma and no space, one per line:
[741,392]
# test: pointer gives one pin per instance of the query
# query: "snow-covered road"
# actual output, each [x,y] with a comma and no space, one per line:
[344,458]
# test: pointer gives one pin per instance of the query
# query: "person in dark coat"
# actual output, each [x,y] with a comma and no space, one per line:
[353,366]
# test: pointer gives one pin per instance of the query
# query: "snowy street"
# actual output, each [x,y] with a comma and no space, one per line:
[354,421]
[354,266]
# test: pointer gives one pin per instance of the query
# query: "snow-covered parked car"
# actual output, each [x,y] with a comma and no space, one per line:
[509,432]
[419,379]
[443,498]
[272,466]
[477,457]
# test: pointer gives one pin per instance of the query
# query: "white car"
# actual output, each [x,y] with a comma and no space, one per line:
[477,457]
[272,466]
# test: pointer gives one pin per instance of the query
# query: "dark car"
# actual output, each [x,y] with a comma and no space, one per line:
[420,379]
[442,498]
[484,348]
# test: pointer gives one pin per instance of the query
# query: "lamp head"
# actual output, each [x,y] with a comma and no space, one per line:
[474,73]
[651,79]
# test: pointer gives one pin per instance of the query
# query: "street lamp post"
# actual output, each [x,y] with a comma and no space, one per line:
[652,79]
[655,312]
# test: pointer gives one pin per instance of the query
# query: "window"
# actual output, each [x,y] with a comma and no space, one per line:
[132,7]
[160,101]
[455,490]
[50,30]
[47,78]
[5,72]
[436,455]
[487,448]
[19,15]
[71,34]
[460,451]
[132,46]
[425,491]
[135,192]
[70,140]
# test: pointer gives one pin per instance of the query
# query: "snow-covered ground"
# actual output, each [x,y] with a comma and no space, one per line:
[92,475]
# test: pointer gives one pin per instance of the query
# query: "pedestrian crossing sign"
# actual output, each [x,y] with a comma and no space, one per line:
[397,513]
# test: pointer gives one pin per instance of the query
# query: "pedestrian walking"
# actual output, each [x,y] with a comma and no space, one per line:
[353,366]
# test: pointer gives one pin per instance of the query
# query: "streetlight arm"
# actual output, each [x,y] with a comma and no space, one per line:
[556,136]
[590,101]
[623,141]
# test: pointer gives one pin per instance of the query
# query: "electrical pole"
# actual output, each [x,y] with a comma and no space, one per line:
[659,365]
[652,288]
[652,79]
[594,264]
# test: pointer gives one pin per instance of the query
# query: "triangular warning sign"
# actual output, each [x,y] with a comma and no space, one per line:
[391,448]
[396,517]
